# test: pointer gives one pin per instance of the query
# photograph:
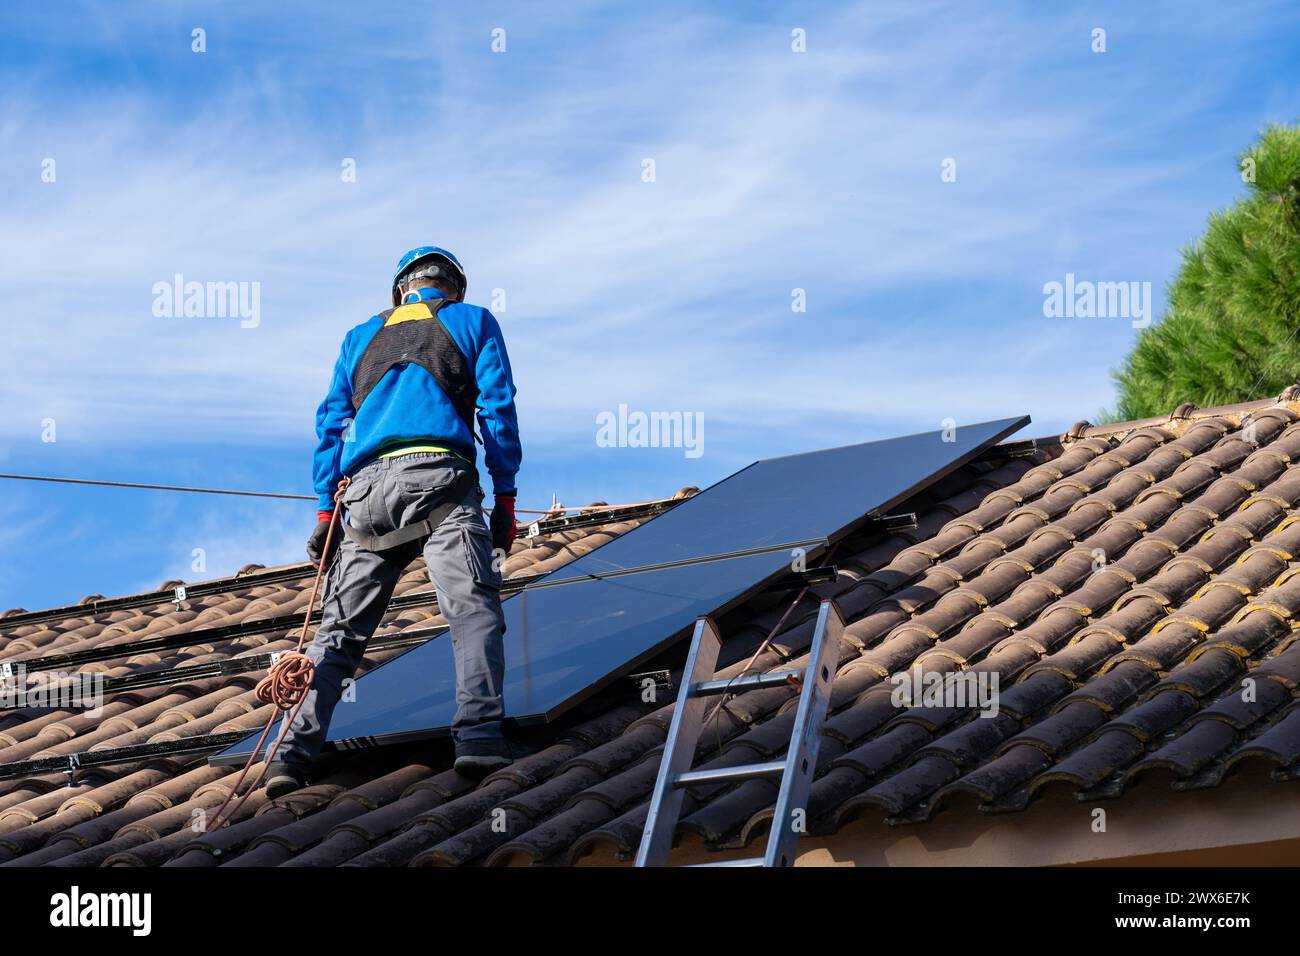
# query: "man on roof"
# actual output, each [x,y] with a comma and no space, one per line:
[399,422]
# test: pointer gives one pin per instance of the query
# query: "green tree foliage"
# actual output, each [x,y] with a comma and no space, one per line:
[1231,332]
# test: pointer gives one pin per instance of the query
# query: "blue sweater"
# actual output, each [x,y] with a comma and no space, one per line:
[409,407]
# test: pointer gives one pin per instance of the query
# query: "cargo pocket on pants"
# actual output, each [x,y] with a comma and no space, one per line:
[429,475]
[480,558]
[355,504]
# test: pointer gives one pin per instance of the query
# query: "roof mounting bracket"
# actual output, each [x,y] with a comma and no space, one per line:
[40,766]
[600,516]
[798,580]
[1022,448]
[890,524]
[822,574]
[179,594]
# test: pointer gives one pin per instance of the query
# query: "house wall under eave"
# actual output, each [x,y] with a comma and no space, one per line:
[1151,824]
[1249,820]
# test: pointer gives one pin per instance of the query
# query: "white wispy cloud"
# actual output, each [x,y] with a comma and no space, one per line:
[774,170]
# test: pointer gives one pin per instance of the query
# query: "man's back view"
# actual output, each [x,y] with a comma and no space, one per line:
[399,424]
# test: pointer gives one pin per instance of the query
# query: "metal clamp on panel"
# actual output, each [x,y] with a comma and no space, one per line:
[798,580]
[824,574]
[889,524]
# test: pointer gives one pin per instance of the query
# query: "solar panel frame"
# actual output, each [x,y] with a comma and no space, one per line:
[759,567]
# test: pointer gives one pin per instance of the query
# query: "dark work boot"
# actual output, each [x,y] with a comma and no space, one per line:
[478,758]
[282,779]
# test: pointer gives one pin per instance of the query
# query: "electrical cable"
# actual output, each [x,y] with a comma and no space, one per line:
[722,698]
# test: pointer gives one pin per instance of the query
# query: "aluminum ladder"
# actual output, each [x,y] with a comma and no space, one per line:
[795,770]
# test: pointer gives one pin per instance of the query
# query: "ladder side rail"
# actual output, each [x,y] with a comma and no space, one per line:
[805,736]
[679,747]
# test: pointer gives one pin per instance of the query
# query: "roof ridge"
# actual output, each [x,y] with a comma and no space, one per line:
[1187,413]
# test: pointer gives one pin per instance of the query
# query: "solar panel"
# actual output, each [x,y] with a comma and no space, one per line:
[603,616]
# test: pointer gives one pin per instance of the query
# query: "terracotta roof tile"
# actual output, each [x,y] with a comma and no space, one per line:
[1132,590]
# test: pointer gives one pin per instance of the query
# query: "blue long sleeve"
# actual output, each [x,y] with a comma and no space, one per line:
[332,419]
[498,422]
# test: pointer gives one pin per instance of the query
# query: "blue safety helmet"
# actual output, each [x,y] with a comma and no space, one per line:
[434,263]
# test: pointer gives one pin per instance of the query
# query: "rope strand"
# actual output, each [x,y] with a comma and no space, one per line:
[287,683]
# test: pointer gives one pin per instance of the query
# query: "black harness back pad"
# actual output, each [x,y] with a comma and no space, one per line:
[423,341]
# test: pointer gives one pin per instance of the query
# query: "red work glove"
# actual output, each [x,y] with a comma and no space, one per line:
[316,543]
[503,522]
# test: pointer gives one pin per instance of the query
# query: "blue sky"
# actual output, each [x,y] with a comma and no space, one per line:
[774,171]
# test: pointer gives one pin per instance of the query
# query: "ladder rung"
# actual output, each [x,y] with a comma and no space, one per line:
[747,861]
[708,688]
[748,771]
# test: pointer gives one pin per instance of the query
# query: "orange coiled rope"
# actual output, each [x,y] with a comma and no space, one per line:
[287,683]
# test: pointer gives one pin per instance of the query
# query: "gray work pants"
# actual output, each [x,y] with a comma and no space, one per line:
[385,495]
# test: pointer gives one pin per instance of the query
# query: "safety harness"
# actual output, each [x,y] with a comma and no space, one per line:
[454,494]
[413,333]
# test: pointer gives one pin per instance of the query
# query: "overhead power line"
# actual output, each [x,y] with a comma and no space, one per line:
[133,484]
[277,494]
